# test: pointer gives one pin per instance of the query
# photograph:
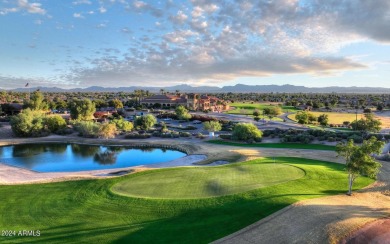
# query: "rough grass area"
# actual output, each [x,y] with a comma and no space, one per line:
[334,118]
[276,145]
[201,182]
[89,212]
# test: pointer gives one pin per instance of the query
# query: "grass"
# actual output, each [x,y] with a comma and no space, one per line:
[201,182]
[249,108]
[88,211]
[276,145]
[334,118]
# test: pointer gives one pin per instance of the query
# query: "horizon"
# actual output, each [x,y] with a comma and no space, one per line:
[191,86]
[84,43]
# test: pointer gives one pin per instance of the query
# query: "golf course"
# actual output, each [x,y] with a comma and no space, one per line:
[249,108]
[171,205]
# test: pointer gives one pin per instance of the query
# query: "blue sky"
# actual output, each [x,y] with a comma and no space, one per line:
[112,43]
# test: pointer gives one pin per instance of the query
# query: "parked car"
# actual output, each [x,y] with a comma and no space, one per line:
[197,122]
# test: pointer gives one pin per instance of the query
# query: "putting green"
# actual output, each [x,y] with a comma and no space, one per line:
[204,182]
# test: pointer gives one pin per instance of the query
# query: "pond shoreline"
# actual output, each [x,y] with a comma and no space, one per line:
[12,175]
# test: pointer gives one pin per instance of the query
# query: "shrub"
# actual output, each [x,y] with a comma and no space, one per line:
[29,123]
[185,134]
[55,123]
[189,127]
[246,132]
[123,125]
[65,131]
[331,139]
[87,128]
[145,122]
[225,136]
[107,130]
[135,135]
[200,136]
[356,138]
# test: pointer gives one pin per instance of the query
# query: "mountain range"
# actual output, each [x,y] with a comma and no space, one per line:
[239,88]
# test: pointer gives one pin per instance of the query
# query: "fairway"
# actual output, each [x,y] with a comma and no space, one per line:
[249,108]
[201,182]
[334,118]
[67,212]
[276,145]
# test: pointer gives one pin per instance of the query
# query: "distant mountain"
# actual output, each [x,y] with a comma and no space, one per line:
[239,88]
[181,88]
[297,89]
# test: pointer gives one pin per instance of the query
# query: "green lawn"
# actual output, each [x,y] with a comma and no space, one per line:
[201,182]
[249,108]
[276,145]
[88,211]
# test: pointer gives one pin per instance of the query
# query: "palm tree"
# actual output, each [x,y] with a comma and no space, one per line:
[138,95]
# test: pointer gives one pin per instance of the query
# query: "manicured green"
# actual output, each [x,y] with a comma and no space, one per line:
[87,211]
[276,145]
[201,182]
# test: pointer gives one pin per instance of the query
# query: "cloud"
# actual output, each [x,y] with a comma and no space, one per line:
[78,15]
[102,9]
[32,8]
[79,2]
[218,40]
[201,67]
[101,26]
[140,6]
[179,18]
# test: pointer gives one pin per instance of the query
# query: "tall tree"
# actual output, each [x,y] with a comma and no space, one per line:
[81,109]
[182,113]
[323,119]
[367,124]
[116,103]
[212,126]
[36,101]
[145,122]
[359,160]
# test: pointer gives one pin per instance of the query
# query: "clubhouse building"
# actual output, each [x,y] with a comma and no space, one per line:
[191,101]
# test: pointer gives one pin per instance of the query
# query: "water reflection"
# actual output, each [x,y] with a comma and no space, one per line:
[116,149]
[105,158]
[85,151]
[59,157]
[147,149]
[28,150]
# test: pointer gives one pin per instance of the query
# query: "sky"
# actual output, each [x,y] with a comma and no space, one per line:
[114,43]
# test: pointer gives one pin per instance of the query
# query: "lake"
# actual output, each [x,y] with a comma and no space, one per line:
[60,157]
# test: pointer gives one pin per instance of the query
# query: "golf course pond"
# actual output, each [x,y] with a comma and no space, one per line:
[61,157]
